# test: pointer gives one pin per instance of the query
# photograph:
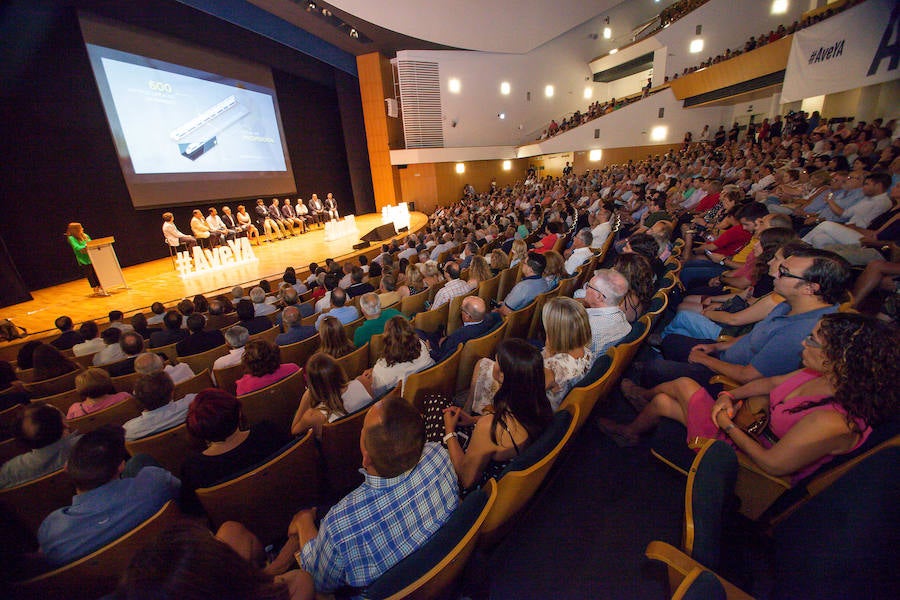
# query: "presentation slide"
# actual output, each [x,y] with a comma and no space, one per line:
[190,125]
[175,123]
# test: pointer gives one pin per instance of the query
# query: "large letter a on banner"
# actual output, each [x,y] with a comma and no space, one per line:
[886,49]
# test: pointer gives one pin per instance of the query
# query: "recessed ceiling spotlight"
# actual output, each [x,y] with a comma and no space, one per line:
[501,116]
[454,86]
[505,88]
[607,33]
[548,91]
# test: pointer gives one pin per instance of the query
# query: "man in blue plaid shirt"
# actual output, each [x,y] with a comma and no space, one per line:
[410,490]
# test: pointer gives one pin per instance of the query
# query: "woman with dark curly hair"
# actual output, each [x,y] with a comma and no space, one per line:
[848,386]
[201,304]
[639,273]
[48,362]
[404,354]
[334,340]
[262,363]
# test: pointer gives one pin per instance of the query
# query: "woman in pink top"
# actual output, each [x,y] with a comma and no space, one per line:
[848,386]
[262,362]
[97,392]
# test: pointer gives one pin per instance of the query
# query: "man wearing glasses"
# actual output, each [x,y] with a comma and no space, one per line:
[476,323]
[604,293]
[812,283]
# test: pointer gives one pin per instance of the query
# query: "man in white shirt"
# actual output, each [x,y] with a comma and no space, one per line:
[173,236]
[154,392]
[604,292]
[580,252]
[217,225]
[236,337]
[112,352]
[602,227]
[410,250]
[92,341]
[149,363]
[453,288]
[324,303]
[260,307]
[874,203]
[766,178]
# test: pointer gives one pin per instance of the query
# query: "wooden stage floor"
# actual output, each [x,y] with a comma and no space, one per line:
[157,280]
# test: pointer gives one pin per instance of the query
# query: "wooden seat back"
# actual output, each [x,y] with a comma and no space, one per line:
[473,351]
[350,328]
[376,348]
[10,448]
[587,397]
[536,327]
[439,379]
[98,573]
[85,360]
[56,385]
[169,350]
[434,289]
[626,351]
[276,403]
[27,375]
[169,447]
[507,281]
[411,305]
[265,498]
[431,320]
[487,289]
[8,417]
[226,378]
[518,321]
[268,335]
[454,312]
[194,385]
[341,455]
[204,360]
[29,503]
[64,400]
[125,383]
[116,414]
[356,362]
[299,352]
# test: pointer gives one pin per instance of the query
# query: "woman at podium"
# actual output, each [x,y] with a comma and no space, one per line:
[78,239]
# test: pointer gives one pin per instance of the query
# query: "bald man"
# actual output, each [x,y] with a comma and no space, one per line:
[476,322]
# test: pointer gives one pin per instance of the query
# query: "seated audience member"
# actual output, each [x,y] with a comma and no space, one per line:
[12,391]
[236,337]
[552,232]
[413,284]
[521,413]
[329,395]
[116,319]
[159,312]
[248,321]
[186,308]
[499,261]
[200,340]
[518,252]
[108,504]
[846,387]
[290,297]
[160,410]
[340,310]
[404,354]
[42,429]
[132,344]
[470,250]
[476,322]
[96,391]
[580,252]
[532,284]
[453,288]
[48,362]
[294,331]
[189,563]
[148,363]
[262,363]
[357,286]
[333,338]
[92,343]
[431,273]
[25,355]
[602,227]
[261,308]
[330,284]
[237,294]
[479,270]
[139,324]
[605,292]
[112,351]
[388,290]
[290,277]
[69,337]
[201,304]
[812,283]
[347,280]
[644,245]
[555,268]
[215,417]
[172,334]
[638,272]
[375,319]
[217,318]
[409,492]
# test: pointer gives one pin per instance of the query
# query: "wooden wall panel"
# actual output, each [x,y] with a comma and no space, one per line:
[373,91]
[430,185]
[744,67]
[618,156]
[418,183]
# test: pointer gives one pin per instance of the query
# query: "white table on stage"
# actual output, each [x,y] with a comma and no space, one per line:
[398,215]
[106,263]
[341,228]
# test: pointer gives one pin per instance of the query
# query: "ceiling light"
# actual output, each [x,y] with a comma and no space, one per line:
[614,50]
[460,168]
[588,92]
[595,155]
[504,88]
[501,116]
[354,34]
[454,86]
[311,6]
[507,165]
[607,33]
[696,46]
[779,7]
[548,91]
[659,133]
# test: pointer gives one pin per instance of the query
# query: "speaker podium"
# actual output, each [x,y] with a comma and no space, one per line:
[106,263]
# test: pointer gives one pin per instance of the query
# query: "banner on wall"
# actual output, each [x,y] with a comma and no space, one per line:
[856,48]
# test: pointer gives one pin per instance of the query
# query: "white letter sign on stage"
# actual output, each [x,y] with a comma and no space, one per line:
[205,260]
[858,47]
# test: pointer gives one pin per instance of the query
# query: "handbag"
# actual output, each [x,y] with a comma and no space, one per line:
[752,416]
[10,331]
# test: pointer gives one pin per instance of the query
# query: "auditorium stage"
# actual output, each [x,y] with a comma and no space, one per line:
[157,280]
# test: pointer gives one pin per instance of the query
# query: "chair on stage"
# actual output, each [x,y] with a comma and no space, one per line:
[175,249]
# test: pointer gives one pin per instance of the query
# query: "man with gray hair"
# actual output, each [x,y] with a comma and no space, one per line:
[148,363]
[580,252]
[605,291]
[375,318]
[260,307]
[236,338]
[237,294]
[294,331]
[290,297]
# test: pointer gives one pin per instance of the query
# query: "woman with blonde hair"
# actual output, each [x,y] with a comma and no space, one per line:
[97,392]
[478,271]
[78,240]
[329,395]
[518,252]
[499,261]
[414,284]
[432,273]
[555,269]
[334,340]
